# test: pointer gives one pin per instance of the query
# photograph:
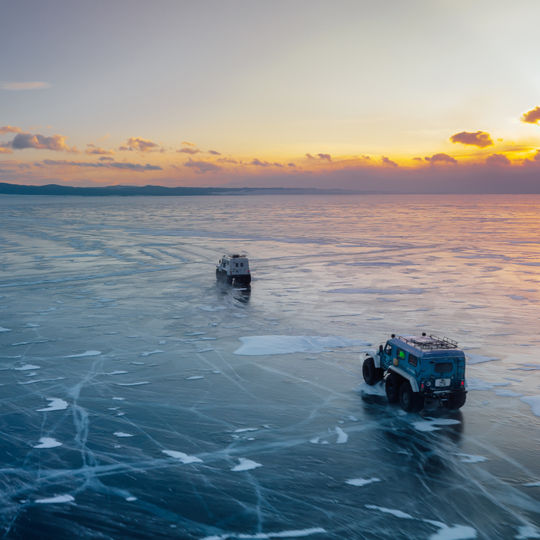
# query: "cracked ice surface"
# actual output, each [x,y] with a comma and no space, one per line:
[114,301]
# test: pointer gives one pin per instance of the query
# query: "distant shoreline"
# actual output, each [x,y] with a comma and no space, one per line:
[130,191]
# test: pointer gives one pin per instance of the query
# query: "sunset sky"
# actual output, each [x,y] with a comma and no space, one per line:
[402,95]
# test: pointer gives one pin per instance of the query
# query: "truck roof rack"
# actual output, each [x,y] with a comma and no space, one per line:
[430,343]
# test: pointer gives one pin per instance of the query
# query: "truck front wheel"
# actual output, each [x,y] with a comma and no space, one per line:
[410,401]
[372,374]
[391,386]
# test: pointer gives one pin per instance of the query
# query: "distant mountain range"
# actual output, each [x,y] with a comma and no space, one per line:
[125,191]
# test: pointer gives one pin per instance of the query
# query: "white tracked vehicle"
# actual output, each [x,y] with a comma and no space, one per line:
[234,269]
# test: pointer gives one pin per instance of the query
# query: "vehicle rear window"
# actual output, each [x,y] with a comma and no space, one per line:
[413,360]
[443,367]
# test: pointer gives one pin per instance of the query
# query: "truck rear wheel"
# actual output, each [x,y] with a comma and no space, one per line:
[372,374]
[391,387]
[410,401]
[456,401]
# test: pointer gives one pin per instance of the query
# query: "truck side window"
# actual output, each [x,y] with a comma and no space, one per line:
[413,360]
[401,354]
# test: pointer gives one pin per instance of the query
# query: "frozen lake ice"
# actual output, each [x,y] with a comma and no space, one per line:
[141,399]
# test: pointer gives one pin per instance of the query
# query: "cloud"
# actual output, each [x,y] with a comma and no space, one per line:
[15,86]
[476,138]
[291,164]
[228,160]
[259,163]
[535,160]
[139,144]
[106,158]
[187,143]
[104,165]
[532,116]
[388,161]
[202,166]
[497,160]
[440,158]
[326,157]
[189,150]
[96,150]
[214,152]
[5,150]
[10,129]
[39,142]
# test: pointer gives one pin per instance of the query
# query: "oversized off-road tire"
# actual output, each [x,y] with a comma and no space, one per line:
[372,374]
[410,401]
[391,387]
[229,280]
[457,400]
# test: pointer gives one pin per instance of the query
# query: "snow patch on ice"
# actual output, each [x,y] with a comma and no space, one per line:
[455,532]
[266,345]
[57,499]
[342,437]
[132,383]
[27,367]
[532,484]
[55,404]
[361,481]
[527,531]
[84,354]
[42,380]
[47,442]
[471,458]
[242,430]
[184,458]
[375,390]
[150,353]
[245,465]
[396,513]
[2,329]
[194,377]
[432,424]
[533,402]
[122,434]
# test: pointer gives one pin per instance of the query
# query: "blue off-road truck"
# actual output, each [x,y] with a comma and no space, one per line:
[419,368]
